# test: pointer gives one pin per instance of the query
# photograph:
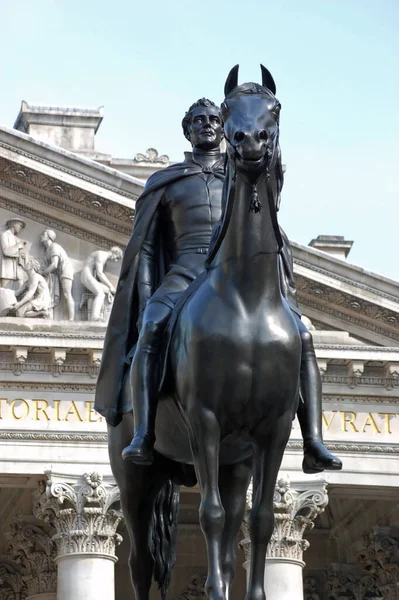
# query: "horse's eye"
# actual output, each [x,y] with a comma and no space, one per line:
[263,134]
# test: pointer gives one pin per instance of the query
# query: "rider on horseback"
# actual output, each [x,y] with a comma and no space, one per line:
[174,220]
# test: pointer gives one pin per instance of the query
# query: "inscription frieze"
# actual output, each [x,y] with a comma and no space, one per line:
[18,409]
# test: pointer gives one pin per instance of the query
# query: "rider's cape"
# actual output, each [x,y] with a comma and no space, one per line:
[122,329]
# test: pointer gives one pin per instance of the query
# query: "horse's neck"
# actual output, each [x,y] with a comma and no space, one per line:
[248,255]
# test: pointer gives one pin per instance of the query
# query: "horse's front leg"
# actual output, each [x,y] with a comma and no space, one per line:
[233,485]
[269,448]
[205,440]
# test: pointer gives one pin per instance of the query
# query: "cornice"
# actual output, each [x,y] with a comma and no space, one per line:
[47,436]
[357,399]
[15,385]
[340,270]
[351,282]
[77,166]
[79,335]
[342,306]
[56,369]
[359,348]
[101,438]
[66,197]
[58,224]
[352,382]
[352,447]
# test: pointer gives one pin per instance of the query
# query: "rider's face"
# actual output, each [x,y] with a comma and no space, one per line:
[205,129]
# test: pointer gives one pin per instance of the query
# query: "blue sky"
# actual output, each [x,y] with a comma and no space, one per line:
[335,64]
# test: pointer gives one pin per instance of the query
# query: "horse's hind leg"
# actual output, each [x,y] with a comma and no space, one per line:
[205,440]
[138,485]
[233,485]
[269,448]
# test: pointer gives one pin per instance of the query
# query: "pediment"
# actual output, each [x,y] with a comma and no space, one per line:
[91,206]
[339,296]
[80,197]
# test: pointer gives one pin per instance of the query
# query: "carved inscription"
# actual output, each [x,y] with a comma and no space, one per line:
[345,423]
[23,409]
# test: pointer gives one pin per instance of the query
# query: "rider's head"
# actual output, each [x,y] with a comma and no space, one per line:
[202,125]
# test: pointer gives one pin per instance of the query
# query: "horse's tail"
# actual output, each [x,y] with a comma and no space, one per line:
[164,534]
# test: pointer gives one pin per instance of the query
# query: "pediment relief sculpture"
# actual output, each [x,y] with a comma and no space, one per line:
[58,272]
[97,283]
[13,254]
[40,278]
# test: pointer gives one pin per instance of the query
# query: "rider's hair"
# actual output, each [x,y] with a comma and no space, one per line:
[187,119]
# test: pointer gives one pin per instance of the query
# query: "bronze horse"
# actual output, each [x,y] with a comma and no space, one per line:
[234,357]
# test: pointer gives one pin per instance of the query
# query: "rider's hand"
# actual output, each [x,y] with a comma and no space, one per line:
[112,290]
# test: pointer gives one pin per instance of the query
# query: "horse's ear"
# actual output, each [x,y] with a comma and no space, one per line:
[267,80]
[231,81]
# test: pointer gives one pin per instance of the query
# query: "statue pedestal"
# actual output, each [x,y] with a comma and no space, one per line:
[283,578]
[85,576]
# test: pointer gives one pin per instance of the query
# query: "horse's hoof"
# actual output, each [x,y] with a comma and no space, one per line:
[317,459]
[139,452]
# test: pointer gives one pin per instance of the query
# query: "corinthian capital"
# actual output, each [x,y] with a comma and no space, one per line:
[81,514]
[295,511]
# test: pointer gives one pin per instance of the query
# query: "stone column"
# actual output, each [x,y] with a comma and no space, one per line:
[85,535]
[295,511]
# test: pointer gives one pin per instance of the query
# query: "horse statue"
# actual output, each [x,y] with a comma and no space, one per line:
[234,358]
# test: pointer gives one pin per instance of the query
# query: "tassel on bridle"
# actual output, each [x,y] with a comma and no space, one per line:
[255,204]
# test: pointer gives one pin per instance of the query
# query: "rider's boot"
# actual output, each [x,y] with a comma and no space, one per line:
[317,457]
[143,382]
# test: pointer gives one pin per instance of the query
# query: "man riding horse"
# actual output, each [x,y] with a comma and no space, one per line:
[175,217]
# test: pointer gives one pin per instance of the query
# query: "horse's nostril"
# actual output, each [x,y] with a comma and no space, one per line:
[239,136]
[263,134]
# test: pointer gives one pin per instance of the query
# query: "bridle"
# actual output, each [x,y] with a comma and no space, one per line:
[255,204]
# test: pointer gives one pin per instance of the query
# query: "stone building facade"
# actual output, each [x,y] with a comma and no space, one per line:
[61,530]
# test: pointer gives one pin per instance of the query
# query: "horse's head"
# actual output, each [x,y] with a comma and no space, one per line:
[250,114]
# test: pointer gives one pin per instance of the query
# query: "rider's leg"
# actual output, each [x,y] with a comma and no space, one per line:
[316,456]
[144,379]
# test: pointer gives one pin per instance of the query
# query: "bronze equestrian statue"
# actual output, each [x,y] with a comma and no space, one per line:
[237,339]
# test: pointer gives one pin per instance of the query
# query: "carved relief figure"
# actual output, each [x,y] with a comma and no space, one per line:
[95,280]
[13,254]
[58,272]
[34,294]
